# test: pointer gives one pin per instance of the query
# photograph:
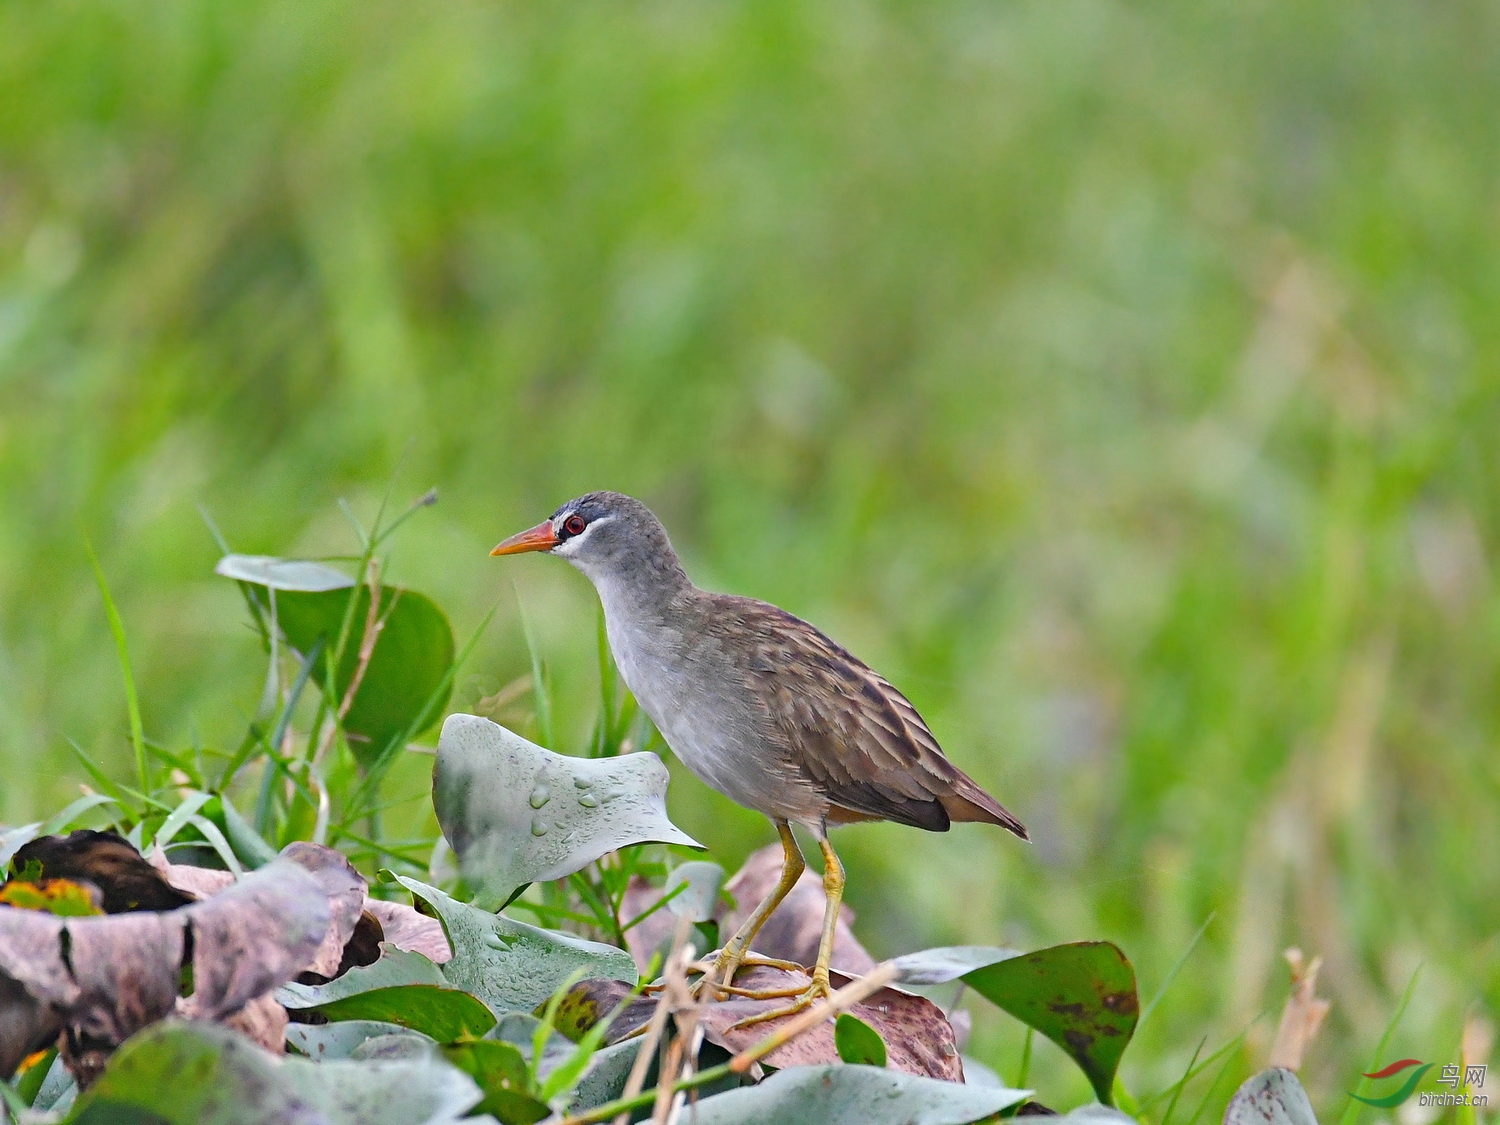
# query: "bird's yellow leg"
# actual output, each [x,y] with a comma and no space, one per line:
[736,951]
[819,989]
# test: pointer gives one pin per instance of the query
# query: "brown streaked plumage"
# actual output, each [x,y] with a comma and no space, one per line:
[759,704]
[847,730]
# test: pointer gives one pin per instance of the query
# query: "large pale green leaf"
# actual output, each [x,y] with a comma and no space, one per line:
[509,965]
[516,813]
[440,1011]
[1094,1114]
[854,1095]
[180,1073]
[291,575]
[949,962]
[607,1073]
[1272,1097]
[698,897]
[400,690]
[1082,996]
[324,1041]
[394,967]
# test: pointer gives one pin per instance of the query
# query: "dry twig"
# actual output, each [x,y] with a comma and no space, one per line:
[1303,1014]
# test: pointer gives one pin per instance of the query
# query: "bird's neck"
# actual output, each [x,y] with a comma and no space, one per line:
[640,592]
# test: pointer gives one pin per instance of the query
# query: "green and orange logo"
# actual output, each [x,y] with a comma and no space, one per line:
[1396,1097]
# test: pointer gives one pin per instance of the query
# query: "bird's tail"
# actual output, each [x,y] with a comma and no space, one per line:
[968,802]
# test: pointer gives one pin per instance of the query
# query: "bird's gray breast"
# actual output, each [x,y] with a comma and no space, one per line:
[709,715]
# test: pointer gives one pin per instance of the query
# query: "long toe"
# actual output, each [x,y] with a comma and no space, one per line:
[804,999]
[755,960]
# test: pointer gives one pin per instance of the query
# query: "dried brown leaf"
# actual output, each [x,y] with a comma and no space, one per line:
[126,880]
[345,890]
[408,929]
[918,1037]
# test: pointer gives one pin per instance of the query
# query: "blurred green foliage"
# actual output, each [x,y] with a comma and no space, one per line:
[1121,380]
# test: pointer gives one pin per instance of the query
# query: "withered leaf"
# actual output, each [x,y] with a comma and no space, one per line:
[122,973]
[408,929]
[918,1037]
[126,880]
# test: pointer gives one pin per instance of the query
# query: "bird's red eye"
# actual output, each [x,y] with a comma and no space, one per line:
[574,524]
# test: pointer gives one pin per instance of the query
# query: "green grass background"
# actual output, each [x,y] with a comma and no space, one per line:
[1120,379]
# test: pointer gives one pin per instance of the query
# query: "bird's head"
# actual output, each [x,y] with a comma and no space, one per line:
[602,534]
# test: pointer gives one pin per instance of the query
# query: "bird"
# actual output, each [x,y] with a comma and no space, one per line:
[762,707]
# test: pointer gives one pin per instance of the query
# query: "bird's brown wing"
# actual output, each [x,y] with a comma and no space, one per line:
[850,732]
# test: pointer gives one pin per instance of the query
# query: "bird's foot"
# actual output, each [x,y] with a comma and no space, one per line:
[819,989]
[757,993]
[756,961]
[719,973]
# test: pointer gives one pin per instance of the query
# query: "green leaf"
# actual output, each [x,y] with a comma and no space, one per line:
[939,966]
[248,844]
[407,665]
[439,1011]
[296,575]
[400,691]
[700,881]
[516,813]
[323,1041]
[501,1072]
[1272,1097]
[524,1031]
[509,965]
[395,967]
[1082,996]
[122,651]
[1094,1114]
[29,1084]
[200,1074]
[858,1042]
[854,1095]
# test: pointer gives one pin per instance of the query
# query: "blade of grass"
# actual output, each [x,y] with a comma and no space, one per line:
[1213,1087]
[179,817]
[1166,981]
[1147,1103]
[213,529]
[1166,1118]
[538,683]
[65,816]
[355,807]
[161,753]
[567,1073]
[604,917]
[549,1022]
[273,745]
[353,521]
[338,833]
[98,776]
[216,840]
[605,728]
[550,913]
[132,703]
[654,907]
[1351,1112]
[426,500]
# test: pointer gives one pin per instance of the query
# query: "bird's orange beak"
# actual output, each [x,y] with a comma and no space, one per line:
[538,538]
